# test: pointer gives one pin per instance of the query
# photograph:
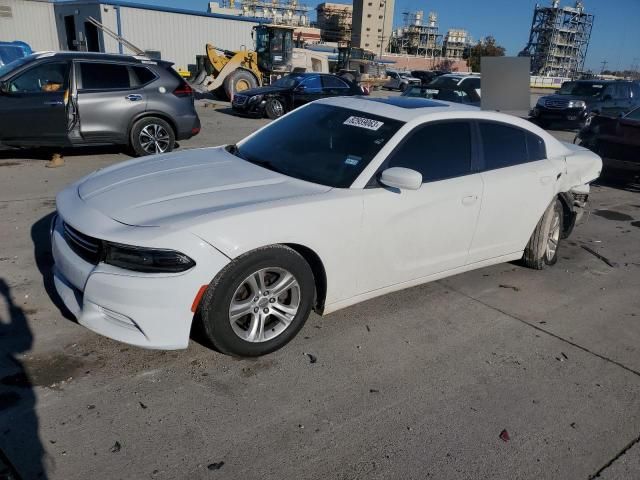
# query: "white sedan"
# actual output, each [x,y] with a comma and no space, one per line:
[338,202]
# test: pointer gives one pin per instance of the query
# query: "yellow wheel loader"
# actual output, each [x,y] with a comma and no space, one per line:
[245,69]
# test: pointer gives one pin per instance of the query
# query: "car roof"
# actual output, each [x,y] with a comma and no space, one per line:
[109,57]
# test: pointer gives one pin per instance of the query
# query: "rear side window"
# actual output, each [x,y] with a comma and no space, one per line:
[144,75]
[473,83]
[438,151]
[104,76]
[333,82]
[502,145]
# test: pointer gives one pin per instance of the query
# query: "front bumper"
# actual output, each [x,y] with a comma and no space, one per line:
[574,116]
[146,310]
[188,126]
[249,109]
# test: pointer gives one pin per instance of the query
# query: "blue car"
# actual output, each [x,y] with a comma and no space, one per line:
[10,51]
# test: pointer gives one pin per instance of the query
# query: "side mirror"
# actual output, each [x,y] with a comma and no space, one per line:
[401,178]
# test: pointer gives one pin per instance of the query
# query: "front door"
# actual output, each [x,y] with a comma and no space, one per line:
[33,105]
[519,184]
[108,98]
[308,90]
[412,234]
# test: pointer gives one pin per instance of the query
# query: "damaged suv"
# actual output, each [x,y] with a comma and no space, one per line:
[75,99]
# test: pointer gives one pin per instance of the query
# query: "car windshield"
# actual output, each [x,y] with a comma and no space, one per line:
[4,69]
[581,89]
[445,82]
[288,81]
[322,144]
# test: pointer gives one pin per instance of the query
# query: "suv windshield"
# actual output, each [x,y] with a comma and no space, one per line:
[445,82]
[4,69]
[319,143]
[581,89]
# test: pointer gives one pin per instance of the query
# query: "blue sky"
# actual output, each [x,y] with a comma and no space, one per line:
[615,37]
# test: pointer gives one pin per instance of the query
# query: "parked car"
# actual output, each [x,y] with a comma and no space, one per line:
[456,95]
[576,101]
[425,76]
[457,81]
[10,51]
[340,201]
[400,80]
[290,92]
[75,98]
[616,140]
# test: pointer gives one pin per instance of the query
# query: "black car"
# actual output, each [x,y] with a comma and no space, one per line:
[616,140]
[578,100]
[290,92]
[71,99]
[427,76]
[467,96]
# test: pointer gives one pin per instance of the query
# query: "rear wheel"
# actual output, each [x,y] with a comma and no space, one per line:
[259,302]
[542,249]
[151,136]
[239,81]
[274,108]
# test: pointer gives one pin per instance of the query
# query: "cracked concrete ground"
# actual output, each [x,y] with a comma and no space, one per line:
[416,384]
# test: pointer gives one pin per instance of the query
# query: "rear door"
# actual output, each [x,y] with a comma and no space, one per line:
[519,184]
[109,95]
[33,109]
[333,86]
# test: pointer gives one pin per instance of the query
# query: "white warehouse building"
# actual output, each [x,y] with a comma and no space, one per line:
[178,35]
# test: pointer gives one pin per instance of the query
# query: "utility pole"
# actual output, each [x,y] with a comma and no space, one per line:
[604,64]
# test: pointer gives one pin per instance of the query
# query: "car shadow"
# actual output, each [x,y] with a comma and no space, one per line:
[42,153]
[20,444]
[41,239]
[620,181]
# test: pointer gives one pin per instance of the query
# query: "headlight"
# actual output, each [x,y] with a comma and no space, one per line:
[577,104]
[255,98]
[148,260]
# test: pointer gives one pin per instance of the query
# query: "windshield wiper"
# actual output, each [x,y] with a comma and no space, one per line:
[234,150]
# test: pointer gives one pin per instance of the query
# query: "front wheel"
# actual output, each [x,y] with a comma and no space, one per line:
[258,302]
[542,249]
[274,108]
[151,136]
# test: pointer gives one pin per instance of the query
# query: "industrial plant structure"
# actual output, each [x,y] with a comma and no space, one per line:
[287,12]
[559,40]
[417,37]
[334,21]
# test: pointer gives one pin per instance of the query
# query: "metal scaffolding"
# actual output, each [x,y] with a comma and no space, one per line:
[559,40]
[416,37]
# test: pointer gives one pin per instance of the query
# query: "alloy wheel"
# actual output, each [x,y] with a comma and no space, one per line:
[264,304]
[554,237]
[154,139]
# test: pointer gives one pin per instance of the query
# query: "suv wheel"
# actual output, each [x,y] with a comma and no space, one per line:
[151,136]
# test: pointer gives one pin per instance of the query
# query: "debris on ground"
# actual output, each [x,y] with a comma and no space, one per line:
[373,390]
[572,424]
[512,287]
[312,357]
[368,329]
[116,447]
[215,466]
[504,436]
[142,405]
[56,161]
[599,256]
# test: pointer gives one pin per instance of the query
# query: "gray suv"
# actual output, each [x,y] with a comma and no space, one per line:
[72,99]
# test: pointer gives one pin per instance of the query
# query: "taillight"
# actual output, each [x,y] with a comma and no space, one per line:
[183,90]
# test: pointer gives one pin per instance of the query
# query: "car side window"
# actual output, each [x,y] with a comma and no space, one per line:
[536,149]
[503,145]
[104,76]
[144,75]
[333,82]
[438,151]
[312,84]
[45,78]
[473,83]
[622,91]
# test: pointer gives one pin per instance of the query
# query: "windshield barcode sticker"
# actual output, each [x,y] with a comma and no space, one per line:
[363,123]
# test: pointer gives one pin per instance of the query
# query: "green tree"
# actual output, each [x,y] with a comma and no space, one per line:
[484,48]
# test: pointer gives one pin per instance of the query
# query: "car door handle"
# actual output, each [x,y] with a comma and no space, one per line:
[469,199]
[545,180]
[133,97]
[54,103]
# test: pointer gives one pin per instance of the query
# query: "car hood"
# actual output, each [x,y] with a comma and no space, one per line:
[263,91]
[166,189]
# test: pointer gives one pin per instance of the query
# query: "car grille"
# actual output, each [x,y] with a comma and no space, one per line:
[559,103]
[239,99]
[86,247]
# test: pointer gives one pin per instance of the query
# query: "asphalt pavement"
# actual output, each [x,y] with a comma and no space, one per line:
[501,373]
